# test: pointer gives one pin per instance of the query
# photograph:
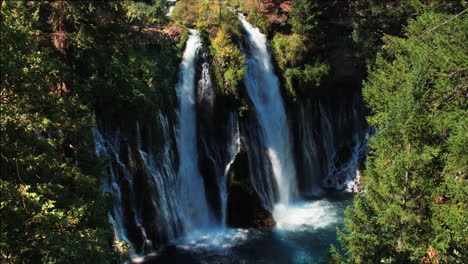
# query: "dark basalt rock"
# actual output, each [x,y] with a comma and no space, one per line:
[244,206]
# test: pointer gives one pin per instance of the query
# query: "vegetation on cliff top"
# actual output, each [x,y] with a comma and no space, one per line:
[296,32]
[221,28]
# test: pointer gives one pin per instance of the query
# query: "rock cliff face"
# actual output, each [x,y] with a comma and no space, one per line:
[220,140]
[140,160]
[327,140]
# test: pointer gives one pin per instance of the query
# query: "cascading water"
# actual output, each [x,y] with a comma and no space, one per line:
[263,89]
[233,148]
[170,11]
[102,149]
[332,143]
[191,189]
[142,182]
[155,203]
[321,150]
[146,187]
[311,160]
[218,137]
[170,7]
[163,180]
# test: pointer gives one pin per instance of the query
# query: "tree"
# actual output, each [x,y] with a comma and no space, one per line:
[373,19]
[51,210]
[62,64]
[304,16]
[414,205]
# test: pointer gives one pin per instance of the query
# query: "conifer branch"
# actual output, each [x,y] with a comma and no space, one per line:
[438,26]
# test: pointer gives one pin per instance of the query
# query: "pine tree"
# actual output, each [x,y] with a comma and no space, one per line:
[304,16]
[414,205]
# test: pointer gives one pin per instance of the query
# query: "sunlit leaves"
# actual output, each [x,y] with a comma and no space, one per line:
[415,199]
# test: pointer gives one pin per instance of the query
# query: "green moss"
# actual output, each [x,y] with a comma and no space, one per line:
[289,50]
[220,28]
[183,40]
[229,60]
[306,79]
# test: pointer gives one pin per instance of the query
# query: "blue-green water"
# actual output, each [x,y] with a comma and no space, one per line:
[307,229]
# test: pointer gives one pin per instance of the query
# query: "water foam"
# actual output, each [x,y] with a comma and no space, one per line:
[220,241]
[305,215]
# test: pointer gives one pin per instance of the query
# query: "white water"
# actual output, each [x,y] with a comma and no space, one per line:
[305,237]
[164,198]
[339,174]
[191,189]
[233,148]
[263,89]
[170,10]
[179,199]
[160,175]
[108,147]
[304,215]
[103,149]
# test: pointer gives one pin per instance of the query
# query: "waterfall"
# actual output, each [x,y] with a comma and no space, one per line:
[142,182]
[218,135]
[233,148]
[170,7]
[110,186]
[170,11]
[191,189]
[163,182]
[156,202]
[153,202]
[311,158]
[332,143]
[339,172]
[263,89]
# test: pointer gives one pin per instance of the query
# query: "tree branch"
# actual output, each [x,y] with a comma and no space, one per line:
[438,26]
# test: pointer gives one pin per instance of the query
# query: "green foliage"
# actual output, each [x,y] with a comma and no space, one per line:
[51,211]
[61,62]
[306,79]
[304,16]
[187,12]
[229,59]
[300,77]
[334,256]
[414,206]
[112,69]
[303,69]
[141,13]
[374,19]
[288,50]
[183,39]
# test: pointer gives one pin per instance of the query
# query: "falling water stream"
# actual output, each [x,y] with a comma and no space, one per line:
[305,229]
[175,204]
[263,89]
[191,190]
